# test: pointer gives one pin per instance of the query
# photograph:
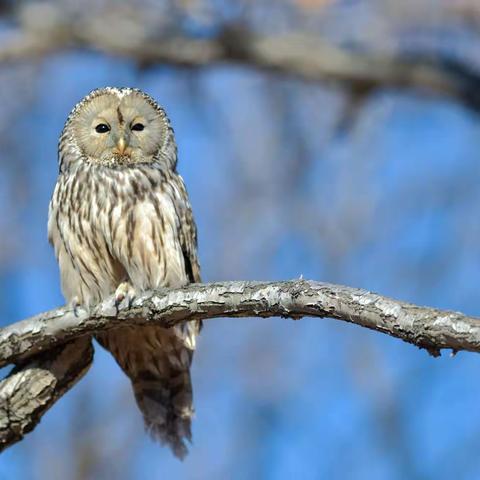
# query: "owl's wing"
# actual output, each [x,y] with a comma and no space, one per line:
[188,234]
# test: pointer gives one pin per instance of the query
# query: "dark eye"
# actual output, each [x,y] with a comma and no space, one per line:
[102,128]
[138,127]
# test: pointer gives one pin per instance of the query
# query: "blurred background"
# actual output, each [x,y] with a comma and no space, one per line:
[338,140]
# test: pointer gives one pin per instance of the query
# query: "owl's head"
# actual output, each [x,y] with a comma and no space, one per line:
[118,127]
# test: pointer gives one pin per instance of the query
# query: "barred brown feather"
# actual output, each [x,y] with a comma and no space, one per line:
[124,216]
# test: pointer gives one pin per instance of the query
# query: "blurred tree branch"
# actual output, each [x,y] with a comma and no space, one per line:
[47,365]
[297,54]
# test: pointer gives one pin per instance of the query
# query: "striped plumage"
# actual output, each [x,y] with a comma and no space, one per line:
[120,215]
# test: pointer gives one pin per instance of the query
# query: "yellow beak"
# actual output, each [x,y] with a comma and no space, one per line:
[121,146]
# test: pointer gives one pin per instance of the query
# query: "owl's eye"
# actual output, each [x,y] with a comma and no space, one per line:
[102,128]
[138,127]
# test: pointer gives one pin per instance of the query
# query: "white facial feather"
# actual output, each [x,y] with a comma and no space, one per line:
[119,111]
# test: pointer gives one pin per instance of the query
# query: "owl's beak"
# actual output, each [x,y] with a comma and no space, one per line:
[121,145]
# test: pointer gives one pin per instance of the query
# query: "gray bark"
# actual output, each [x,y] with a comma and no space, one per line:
[31,389]
[48,368]
[53,350]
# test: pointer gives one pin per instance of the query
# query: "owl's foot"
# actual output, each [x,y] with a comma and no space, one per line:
[126,292]
[75,305]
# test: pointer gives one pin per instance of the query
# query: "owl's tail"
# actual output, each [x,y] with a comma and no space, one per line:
[157,361]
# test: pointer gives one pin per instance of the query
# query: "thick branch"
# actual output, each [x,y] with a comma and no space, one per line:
[30,390]
[422,326]
[49,366]
[304,56]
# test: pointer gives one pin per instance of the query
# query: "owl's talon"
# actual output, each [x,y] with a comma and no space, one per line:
[119,299]
[131,298]
[74,305]
[124,292]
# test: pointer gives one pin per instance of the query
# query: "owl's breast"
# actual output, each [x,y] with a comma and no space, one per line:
[109,226]
[140,222]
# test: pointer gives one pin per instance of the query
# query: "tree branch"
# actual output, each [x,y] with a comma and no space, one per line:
[422,326]
[30,390]
[45,374]
[305,56]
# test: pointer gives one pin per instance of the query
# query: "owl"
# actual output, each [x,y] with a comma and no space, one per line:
[121,223]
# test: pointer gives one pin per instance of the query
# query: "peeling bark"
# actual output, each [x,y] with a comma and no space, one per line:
[422,326]
[43,374]
[30,390]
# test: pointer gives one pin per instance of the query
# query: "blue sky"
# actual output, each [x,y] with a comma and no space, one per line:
[390,205]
